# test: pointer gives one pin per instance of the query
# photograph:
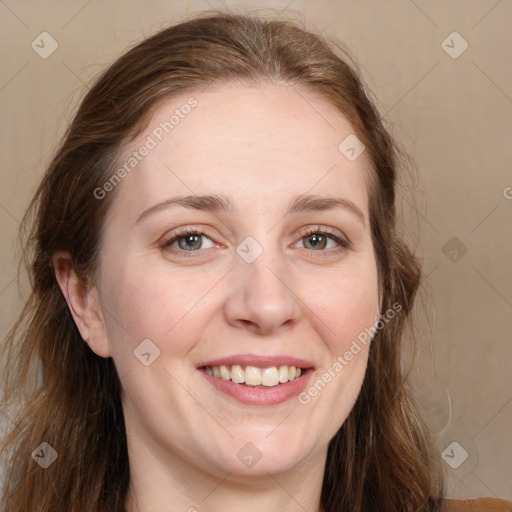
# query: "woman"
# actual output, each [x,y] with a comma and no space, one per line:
[219,292]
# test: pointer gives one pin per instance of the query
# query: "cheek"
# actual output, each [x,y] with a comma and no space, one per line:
[152,303]
[347,306]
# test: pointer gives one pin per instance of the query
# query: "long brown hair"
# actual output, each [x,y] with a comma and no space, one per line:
[58,391]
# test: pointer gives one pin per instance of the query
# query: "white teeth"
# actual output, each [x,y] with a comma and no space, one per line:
[224,372]
[283,374]
[254,376]
[237,374]
[270,377]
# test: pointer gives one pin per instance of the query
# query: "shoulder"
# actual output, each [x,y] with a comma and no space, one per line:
[478,505]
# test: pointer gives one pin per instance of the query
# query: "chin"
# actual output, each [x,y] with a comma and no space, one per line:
[248,459]
[275,464]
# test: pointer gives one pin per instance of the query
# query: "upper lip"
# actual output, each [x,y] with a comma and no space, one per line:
[259,361]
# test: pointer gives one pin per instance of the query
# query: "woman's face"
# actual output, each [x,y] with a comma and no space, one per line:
[282,273]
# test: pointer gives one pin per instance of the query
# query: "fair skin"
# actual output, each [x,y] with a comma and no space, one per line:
[261,146]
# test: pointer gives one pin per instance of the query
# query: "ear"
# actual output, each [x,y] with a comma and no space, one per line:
[83,302]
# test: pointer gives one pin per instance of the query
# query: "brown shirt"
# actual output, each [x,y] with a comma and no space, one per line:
[479,505]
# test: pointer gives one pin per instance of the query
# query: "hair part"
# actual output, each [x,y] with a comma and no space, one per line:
[383,456]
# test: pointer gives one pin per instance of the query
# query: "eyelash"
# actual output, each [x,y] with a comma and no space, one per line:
[344,244]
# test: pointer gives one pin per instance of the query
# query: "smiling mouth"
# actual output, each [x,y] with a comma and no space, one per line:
[254,376]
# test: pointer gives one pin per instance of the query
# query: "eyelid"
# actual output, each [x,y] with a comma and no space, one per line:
[324,229]
[336,235]
[343,242]
[172,236]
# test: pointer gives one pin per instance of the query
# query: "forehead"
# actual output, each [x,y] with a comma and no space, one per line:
[259,141]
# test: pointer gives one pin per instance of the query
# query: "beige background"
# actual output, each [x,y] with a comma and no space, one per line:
[454,115]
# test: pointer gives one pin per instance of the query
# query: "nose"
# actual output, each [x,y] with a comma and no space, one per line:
[261,298]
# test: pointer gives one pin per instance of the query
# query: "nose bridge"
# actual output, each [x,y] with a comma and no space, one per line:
[262,294]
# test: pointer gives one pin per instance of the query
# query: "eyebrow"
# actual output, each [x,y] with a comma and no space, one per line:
[216,203]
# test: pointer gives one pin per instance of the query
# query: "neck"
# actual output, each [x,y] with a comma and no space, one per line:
[165,482]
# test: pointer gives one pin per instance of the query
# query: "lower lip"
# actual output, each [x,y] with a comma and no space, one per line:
[252,395]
